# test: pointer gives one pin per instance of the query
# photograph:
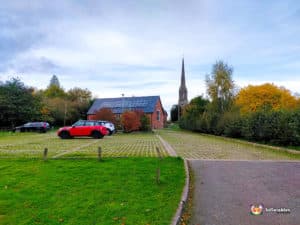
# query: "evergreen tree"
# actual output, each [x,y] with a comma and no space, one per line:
[54,81]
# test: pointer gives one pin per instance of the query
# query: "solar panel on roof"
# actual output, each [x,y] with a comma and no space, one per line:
[118,105]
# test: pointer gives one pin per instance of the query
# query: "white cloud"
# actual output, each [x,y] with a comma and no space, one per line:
[118,47]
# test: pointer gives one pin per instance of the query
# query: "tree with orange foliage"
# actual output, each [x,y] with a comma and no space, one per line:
[130,120]
[255,97]
[105,114]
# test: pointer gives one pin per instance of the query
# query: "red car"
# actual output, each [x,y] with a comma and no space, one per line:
[83,128]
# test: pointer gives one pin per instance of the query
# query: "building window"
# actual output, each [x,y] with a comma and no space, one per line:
[158,115]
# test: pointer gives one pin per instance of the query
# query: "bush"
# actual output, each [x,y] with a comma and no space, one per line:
[280,127]
[130,121]
[145,123]
[105,114]
[233,124]
[135,120]
[276,127]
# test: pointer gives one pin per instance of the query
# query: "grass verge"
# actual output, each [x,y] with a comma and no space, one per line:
[114,191]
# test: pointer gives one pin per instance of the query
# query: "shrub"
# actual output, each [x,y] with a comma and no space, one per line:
[233,124]
[130,121]
[105,114]
[277,127]
[145,123]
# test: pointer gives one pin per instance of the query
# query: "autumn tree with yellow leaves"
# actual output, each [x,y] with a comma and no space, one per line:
[255,97]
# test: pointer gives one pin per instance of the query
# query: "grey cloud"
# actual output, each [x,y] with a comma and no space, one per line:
[35,65]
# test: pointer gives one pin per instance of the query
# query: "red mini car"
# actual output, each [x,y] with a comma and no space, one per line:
[83,128]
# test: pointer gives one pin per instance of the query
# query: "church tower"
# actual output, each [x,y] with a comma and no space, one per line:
[183,99]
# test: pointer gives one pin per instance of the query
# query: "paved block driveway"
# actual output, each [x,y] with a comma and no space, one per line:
[224,191]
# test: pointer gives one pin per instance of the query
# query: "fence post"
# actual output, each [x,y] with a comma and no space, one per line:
[158,153]
[99,153]
[45,154]
[158,166]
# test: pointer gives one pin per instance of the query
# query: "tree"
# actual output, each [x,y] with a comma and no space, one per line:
[193,113]
[220,86]
[105,114]
[79,102]
[54,81]
[57,109]
[174,113]
[197,105]
[79,95]
[255,97]
[130,121]
[54,90]
[18,103]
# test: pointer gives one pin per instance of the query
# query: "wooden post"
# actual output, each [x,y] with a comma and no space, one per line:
[158,153]
[45,154]
[158,166]
[99,153]
[158,175]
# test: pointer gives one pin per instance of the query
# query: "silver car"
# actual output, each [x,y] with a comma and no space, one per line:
[109,126]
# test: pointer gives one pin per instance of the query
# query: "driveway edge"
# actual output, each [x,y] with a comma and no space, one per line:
[184,196]
[167,146]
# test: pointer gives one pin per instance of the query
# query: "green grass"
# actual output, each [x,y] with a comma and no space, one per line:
[297,148]
[31,145]
[201,146]
[115,191]
[174,126]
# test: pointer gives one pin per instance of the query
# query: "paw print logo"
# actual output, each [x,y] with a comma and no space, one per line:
[256,209]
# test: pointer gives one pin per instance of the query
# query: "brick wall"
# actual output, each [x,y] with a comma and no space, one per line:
[157,124]
[91,117]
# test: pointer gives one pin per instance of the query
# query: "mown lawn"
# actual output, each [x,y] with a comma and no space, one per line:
[85,191]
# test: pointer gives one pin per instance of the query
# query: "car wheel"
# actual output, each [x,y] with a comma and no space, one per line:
[109,132]
[97,134]
[64,135]
[42,130]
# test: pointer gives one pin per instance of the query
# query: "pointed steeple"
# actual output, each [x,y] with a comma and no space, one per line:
[182,74]
[183,100]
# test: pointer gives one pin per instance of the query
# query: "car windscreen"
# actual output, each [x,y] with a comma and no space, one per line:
[89,123]
[37,124]
[79,123]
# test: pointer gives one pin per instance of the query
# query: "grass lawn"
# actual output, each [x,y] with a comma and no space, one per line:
[115,191]
[201,146]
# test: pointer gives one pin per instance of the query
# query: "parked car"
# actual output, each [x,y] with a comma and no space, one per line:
[42,127]
[109,126]
[83,128]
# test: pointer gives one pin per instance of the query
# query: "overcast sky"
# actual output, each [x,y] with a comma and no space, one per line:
[135,47]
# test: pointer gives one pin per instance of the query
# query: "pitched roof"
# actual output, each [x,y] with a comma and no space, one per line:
[119,105]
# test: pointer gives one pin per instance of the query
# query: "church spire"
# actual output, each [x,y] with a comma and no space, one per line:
[183,100]
[182,74]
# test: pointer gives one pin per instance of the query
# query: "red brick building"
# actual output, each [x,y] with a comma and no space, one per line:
[150,105]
